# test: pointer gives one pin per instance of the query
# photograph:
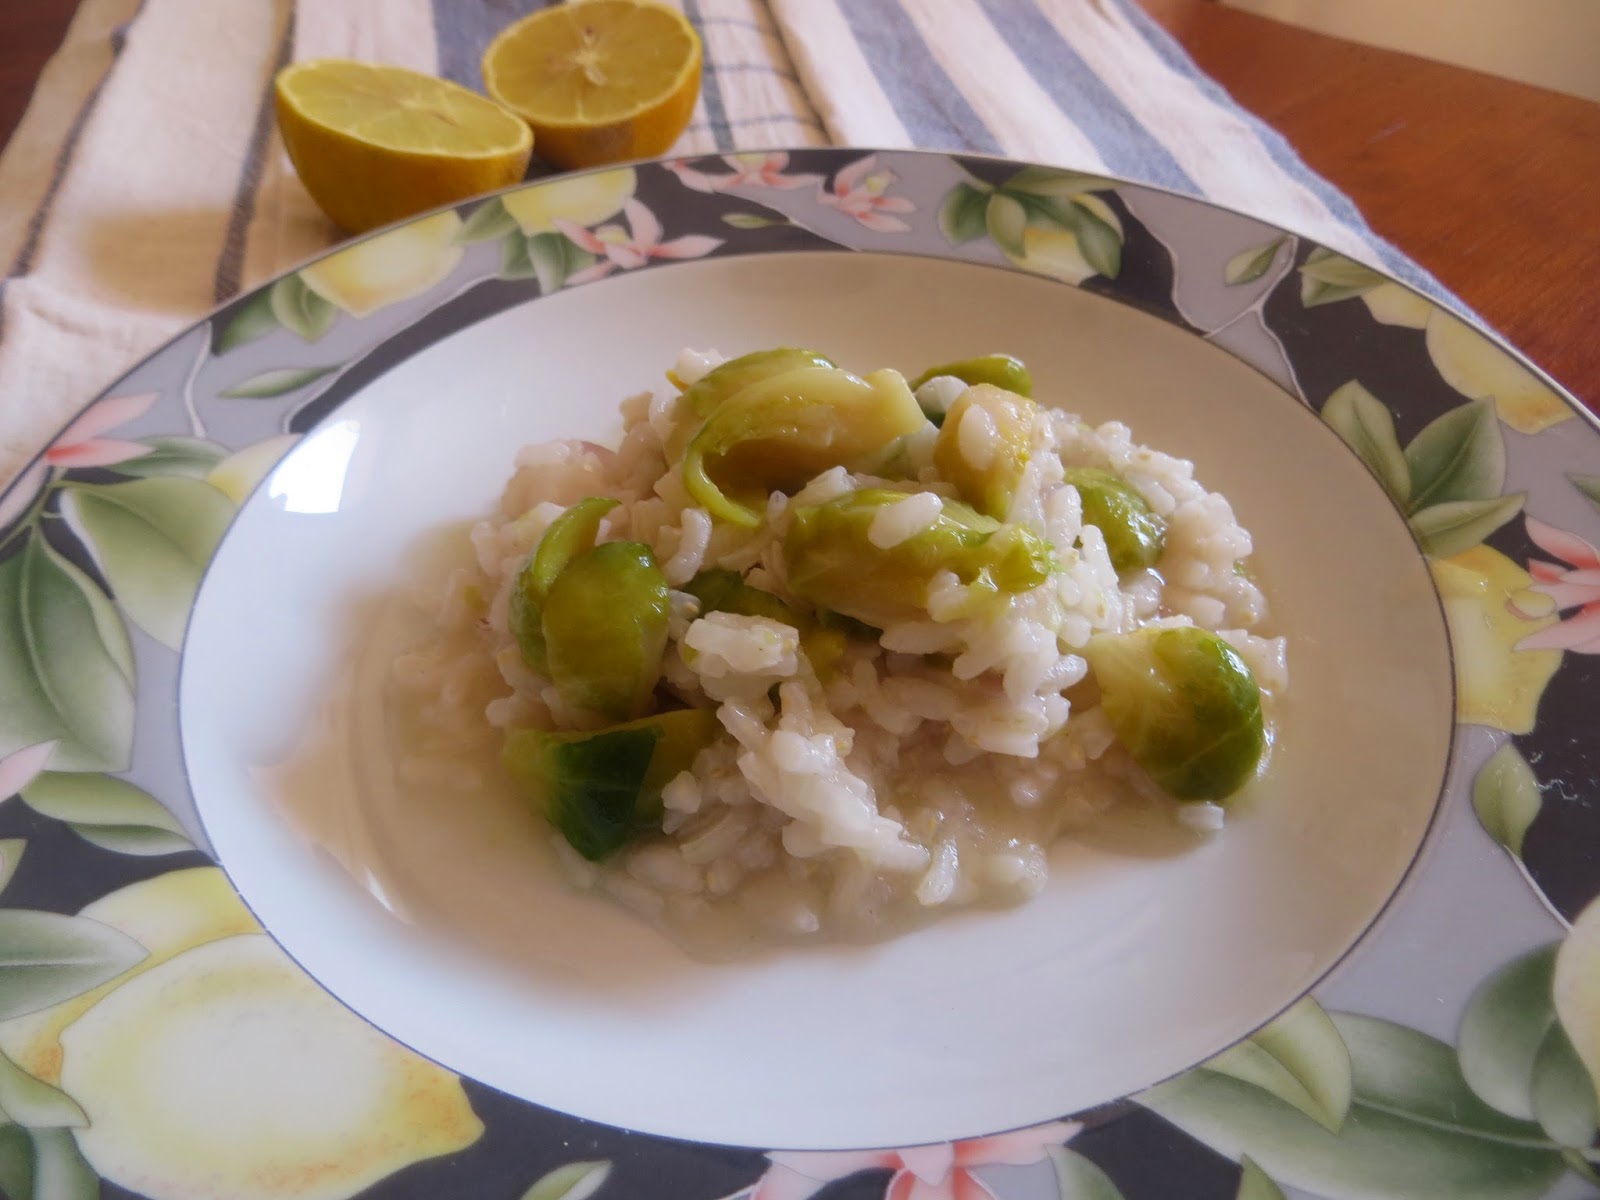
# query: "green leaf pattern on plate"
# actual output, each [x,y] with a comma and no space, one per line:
[1505,796]
[279,382]
[153,539]
[1254,1183]
[1300,1059]
[1447,481]
[191,458]
[1250,265]
[288,304]
[1077,1178]
[489,222]
[961,214]
[1043,219]
[33,1103]
[111,813]
[66,672]
[551,258]
[301,310]
[11,851]
[47,957]
[1367,427]
[574,1181]
[1326,277]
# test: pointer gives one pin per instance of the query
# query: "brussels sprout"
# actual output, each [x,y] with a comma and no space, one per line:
[936,395]
[701,398]
[1185,705]
[833,563]
[780,432]
[986,469]
[823,635]
[567,536]
[721,590]
[601,789]
[1134,535]
[1002,370]
[605,629]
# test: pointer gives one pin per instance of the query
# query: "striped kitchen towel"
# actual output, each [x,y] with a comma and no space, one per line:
[146,183]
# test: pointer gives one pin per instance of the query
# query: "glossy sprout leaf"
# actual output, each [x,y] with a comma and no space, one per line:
[574,1181]
[253,319]
[834,564]
[35,1104]
[1078,1178]
[1445,530]
[1364,423]
[781,431]
[153,539]
[1564,1101]
[279,382]
[961,215]
[1002,370]
[570,534]
[1504,1025]
[1505,796]
[1254,1183]
[1459,456]
[605,629]
[1008,420]
[11,851]
[111,813]
[1098,242]
[59,1169]
[1299,1058]
[1589,485]
[191,458]
[1326,277]
[1134,535]
[487,223]
[46,958]
[706,394]
[590,786]
[300,309]
[66,671]
[1250,265]
[1185,705]
[1415,1131]
[1005,218]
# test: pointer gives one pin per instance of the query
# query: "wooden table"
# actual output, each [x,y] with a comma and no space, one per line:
[1491,185]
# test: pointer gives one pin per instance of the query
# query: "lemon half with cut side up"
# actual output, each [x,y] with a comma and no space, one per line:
[376,144]
[600,81]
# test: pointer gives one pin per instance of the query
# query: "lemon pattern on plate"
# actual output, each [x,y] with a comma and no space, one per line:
[214,1066]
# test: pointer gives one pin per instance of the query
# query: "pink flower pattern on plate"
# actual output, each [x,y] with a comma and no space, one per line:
[861,193]
[940,1172]
[749,170]
[625,249]
[81,444]
[1577,585]
[21,767]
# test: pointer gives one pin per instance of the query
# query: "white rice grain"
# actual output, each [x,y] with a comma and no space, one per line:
[903,519]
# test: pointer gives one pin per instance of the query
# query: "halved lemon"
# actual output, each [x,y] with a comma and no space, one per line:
[374,144]
[600,81]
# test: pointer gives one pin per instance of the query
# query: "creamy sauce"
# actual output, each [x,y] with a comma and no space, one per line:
[461,852]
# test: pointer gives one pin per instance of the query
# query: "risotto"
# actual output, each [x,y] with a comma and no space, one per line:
[812,653]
